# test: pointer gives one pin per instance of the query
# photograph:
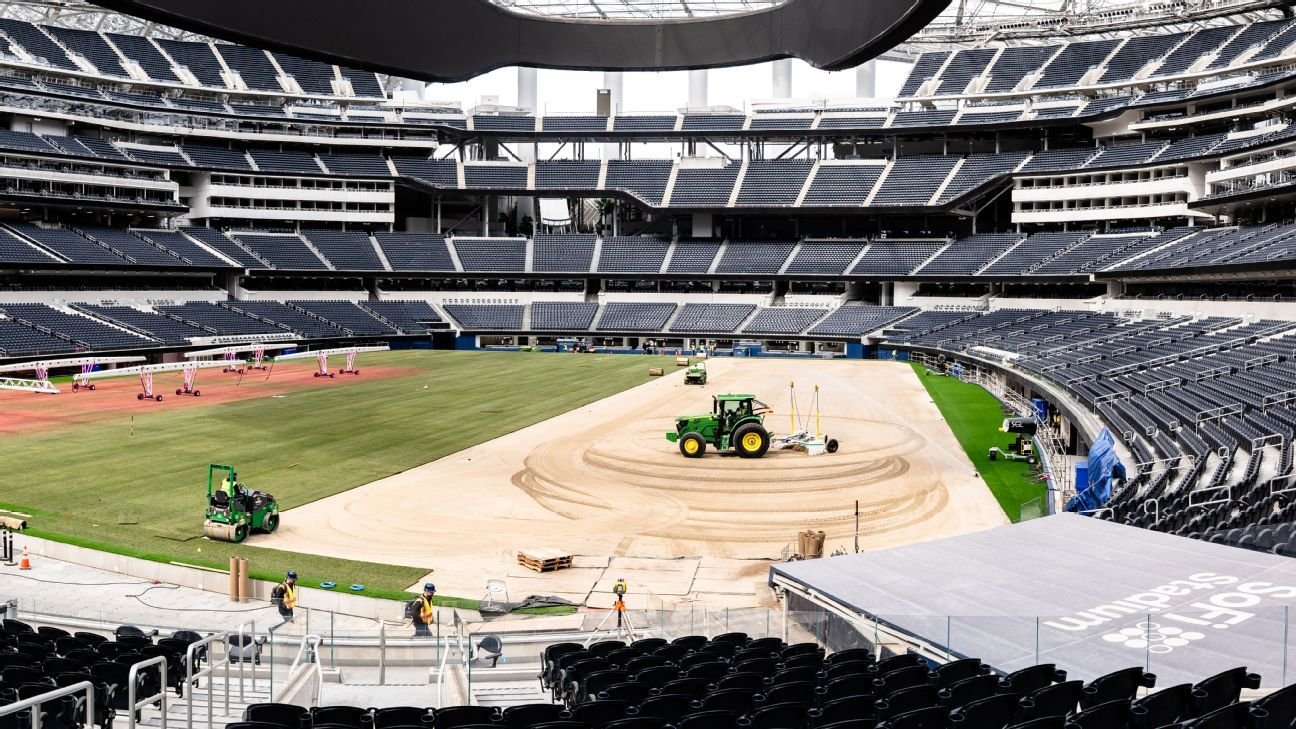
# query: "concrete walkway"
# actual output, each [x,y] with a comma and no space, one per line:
[85,594]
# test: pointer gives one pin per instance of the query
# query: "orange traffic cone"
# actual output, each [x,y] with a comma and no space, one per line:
[25,564]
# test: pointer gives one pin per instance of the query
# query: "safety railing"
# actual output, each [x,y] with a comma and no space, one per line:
[135,704]
[192,658]
[35,702]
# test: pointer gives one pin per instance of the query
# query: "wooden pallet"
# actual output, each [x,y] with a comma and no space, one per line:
[544,560]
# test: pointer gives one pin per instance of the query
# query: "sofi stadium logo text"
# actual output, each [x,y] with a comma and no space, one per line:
[1213,602]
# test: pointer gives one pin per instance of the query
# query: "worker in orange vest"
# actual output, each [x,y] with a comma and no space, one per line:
[284,596]
[425,613]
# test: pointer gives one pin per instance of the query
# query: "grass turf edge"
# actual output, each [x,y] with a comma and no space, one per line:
[975,415]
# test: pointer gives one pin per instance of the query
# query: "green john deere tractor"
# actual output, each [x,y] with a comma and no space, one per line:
[233,510]
[735,422]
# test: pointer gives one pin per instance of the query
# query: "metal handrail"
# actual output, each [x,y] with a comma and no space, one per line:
[312,643]
[132,679]
[57,693]
[190,657]
[251,633]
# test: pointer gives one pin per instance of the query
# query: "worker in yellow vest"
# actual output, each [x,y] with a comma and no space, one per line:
[284,596]
[425,613]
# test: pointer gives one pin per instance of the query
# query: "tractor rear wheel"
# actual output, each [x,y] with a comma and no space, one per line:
[692,445]
[831,445]
[751,440]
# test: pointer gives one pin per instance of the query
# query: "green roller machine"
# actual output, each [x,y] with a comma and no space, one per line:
[736,422]
[696,373]
[233,510]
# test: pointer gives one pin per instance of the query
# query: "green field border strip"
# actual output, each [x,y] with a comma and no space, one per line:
[975,416]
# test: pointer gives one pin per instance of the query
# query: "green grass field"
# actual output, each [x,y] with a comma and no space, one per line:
[975,417]
[143,494]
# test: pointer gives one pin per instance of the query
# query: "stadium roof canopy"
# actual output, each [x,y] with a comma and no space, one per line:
[453,40]
[961,24]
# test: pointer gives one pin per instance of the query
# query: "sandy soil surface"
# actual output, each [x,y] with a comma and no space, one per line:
[602,480]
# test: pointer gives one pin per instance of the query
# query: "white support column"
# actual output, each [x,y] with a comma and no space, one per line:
[866,80]
[781,78]
[527,91]
[697,88]
[614,82]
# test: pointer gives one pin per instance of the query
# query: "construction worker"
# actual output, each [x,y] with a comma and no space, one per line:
[425,613]
[284,596]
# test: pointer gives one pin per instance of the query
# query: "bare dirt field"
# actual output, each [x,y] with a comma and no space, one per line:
[602,481]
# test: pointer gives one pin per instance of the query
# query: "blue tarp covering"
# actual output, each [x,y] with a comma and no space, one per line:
[1103,465]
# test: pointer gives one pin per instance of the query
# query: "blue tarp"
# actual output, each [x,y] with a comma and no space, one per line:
[1103,465]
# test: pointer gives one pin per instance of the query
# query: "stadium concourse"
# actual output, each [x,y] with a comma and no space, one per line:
[1076,226]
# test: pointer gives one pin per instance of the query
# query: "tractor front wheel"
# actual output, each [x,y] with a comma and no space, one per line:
[692,445]
[240,533]
[831,445]
[751,441]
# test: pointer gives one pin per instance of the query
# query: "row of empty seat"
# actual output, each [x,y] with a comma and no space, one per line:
[1000,254]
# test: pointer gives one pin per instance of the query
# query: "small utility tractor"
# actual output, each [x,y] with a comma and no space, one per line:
[735,422]
[234,511]
[1021,449]
[696,374]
